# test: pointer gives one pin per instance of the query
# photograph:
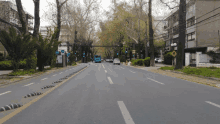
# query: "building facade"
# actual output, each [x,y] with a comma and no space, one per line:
[8,12]
[202,25]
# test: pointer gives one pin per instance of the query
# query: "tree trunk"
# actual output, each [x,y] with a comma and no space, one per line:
[152,62]
[15,65]
[36,18]
[182,35]
[58,21]
[22,17]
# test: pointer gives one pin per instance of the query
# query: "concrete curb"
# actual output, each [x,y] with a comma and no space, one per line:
[34,75]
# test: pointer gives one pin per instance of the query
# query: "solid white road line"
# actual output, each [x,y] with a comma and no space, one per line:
[44,79]
[132,71]
[61,72]
[28,84]
[5,93]
[156,81]
[216,105]
[110,80]
[55,75]
[125,113]
[109,69]
[105,71]
[103,66]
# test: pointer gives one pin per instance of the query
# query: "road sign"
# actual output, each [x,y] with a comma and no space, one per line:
[133,51]
[57,52]
[174,53]
[62,52]
[68,54]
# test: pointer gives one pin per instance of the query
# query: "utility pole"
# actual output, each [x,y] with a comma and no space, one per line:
[219,39]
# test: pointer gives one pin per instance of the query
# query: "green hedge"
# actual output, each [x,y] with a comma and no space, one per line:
[6,65]
[147,61]
[168,58]
[141,62]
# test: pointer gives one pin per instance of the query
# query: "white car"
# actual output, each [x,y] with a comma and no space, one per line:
[158,60]
[116,61]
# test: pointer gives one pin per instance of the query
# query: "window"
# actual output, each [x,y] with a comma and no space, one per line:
[175,40]
[175,30]
[191,21]
[191,36]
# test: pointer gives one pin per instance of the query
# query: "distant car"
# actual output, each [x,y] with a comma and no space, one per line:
[158,60]
[116,61]
[107,60]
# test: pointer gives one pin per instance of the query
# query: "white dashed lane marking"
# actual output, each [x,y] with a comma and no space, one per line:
[214,104]
[125,113]
[55,75]
[156,81]
[109,69]
[44,79]
[132,71]
[28,84]
[61,72]
[5,93]
[110,80]
[105,71]
[103,66]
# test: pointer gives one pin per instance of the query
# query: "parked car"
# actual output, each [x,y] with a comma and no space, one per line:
[116,61]
[158,60]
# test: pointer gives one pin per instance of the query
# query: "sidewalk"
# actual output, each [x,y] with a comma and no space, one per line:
[5,72]
[210,81]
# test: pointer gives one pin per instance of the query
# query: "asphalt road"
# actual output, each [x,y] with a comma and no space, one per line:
[116,94]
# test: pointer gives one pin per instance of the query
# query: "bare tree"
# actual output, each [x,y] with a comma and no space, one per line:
[36,18]
[59,6]
[22,17]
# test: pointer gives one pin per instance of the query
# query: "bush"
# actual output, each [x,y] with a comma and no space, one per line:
[31,63]
[140,62]
[122,59]
[6,65]
[8,57]
[147,61]
[168,58]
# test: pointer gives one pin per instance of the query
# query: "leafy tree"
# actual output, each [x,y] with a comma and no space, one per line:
[17,46]
[46,49]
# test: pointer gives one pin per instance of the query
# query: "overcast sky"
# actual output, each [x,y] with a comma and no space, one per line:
[158,10]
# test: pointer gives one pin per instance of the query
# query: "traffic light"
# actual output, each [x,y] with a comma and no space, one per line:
[117,53]
[126,50]
[75,53]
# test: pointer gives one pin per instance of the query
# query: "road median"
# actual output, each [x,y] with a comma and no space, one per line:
[7,80]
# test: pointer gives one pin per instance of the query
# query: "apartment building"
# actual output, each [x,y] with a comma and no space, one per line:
[8,12]
[202,25]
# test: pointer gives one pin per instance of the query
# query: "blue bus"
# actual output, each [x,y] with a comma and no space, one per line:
[97,59]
